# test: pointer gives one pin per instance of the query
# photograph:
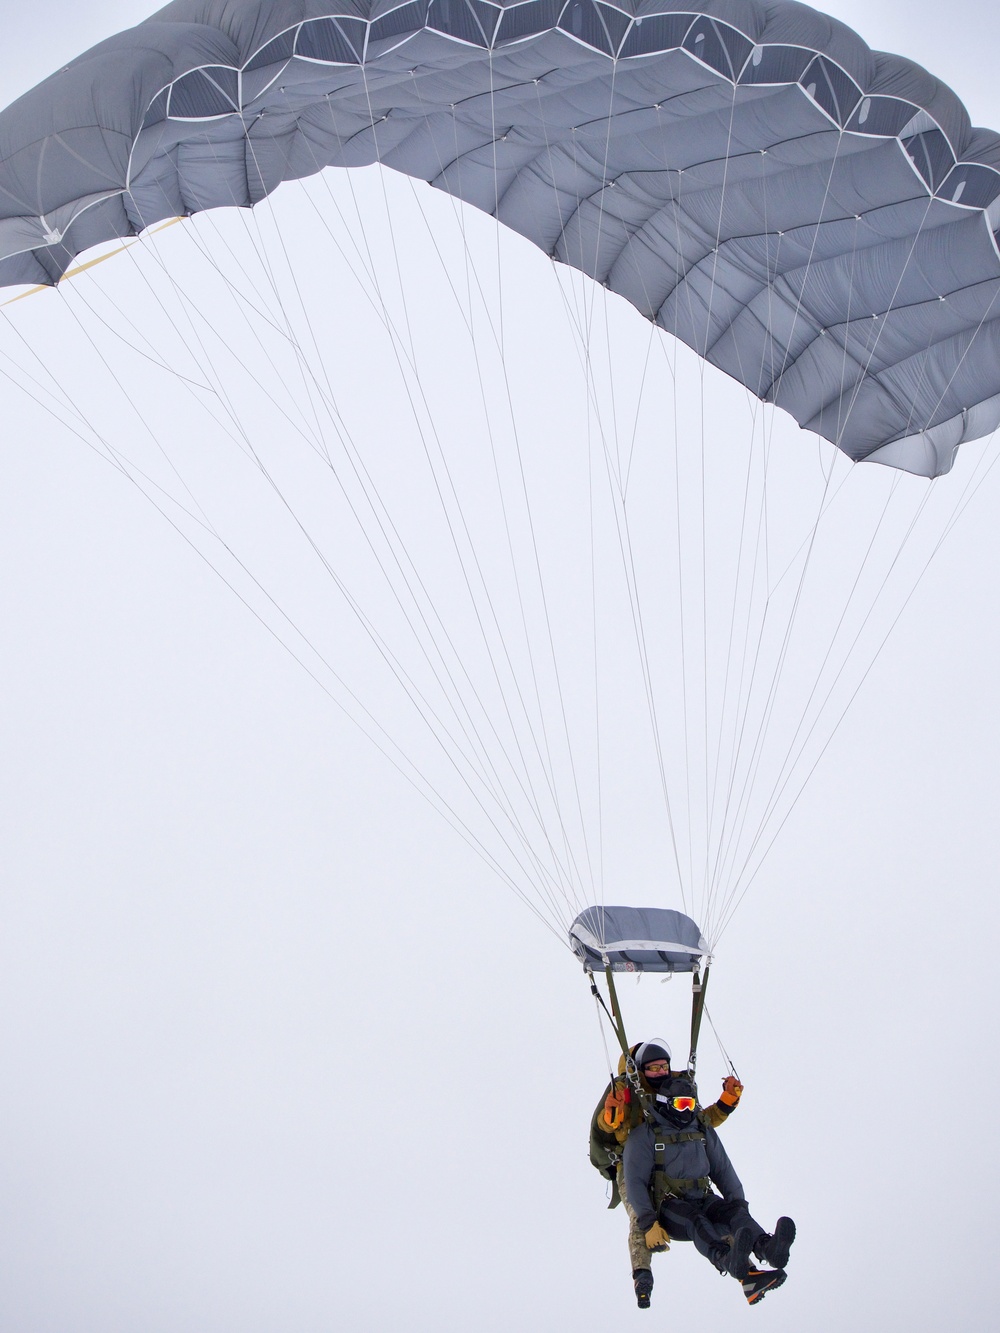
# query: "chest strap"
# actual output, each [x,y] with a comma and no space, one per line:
[665,1186]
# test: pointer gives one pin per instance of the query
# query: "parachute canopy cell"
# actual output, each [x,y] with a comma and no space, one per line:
[813,217]
[637,939]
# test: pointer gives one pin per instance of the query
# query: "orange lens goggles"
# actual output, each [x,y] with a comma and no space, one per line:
[683,1103]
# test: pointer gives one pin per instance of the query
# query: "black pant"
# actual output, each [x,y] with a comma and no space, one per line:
[708,1222]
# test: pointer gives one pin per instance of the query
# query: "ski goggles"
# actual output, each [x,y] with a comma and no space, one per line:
[680,1103]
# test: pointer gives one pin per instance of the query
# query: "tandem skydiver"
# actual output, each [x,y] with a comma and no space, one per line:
[664,1168]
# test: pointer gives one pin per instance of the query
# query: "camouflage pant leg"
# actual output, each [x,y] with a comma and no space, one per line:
[638,1251]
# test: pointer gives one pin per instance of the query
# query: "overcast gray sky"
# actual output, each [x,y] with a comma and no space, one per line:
[279,1051]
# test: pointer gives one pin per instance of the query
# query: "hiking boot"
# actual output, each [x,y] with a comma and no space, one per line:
[759,1281]
[774,1249]
[642,1280]
[737,1261]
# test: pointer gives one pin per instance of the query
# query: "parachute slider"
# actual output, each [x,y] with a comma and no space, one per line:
[638,939]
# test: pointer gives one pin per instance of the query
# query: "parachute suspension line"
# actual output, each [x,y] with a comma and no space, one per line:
[709,779]
[742,611]
[580,324]
[463,777]
[415,779]
[388,655]
[435,798]
[691,582]
[631,579]
[683,614]
[881,323]
[789,763]
[654,333]
[617,488]
[951,378]
[537,568]
[358,463]
[327,399]
[850,312]
[595,422]
[55,401]
[497,329]
[703,676]
[902,546]
[237,433]
[729,839]
[742,807]
[542,587]
[733,829]
[789,339]
[441,498]
[107,452]
[844,710]
[188,305]
[311,435]
[139,415]
[599,883]
[596,664]
[544,600]
[547,763]
[734,602]
[598,1006]
[592,402]
[730,827]
[309,383]
[545,759]
[599,998]
[968,493]
[151,355]
[722,1049]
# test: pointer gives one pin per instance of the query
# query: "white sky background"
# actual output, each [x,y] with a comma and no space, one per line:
[280,1053]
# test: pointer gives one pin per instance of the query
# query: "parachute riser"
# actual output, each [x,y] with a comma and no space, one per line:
[631,1072]
[618,1023]
[699,985]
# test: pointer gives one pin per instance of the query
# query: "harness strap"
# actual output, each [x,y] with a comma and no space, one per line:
[689,1136]
[676,1187]
[664,1186]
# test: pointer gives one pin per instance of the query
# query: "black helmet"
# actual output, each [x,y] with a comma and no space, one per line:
[676,1088]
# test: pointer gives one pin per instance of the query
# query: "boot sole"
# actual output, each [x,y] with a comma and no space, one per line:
[758,1296]
[738,1260]
[784,1235]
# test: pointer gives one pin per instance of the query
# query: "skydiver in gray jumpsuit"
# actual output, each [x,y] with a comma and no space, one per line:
[671,1162]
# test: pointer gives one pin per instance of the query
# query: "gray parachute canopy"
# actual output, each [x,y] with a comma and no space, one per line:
[814,217]
[637,939]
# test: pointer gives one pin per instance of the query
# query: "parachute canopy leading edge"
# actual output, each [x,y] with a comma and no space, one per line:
[637,939]
[815,218]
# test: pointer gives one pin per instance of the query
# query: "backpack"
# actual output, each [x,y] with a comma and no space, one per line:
[607,1138]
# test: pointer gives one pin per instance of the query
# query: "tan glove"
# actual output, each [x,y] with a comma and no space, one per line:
[732,1091]
[657,1239]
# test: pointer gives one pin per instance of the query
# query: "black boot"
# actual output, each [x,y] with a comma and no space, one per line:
[642,1280]
[774,1249]
[737,1261]
[759,1281]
